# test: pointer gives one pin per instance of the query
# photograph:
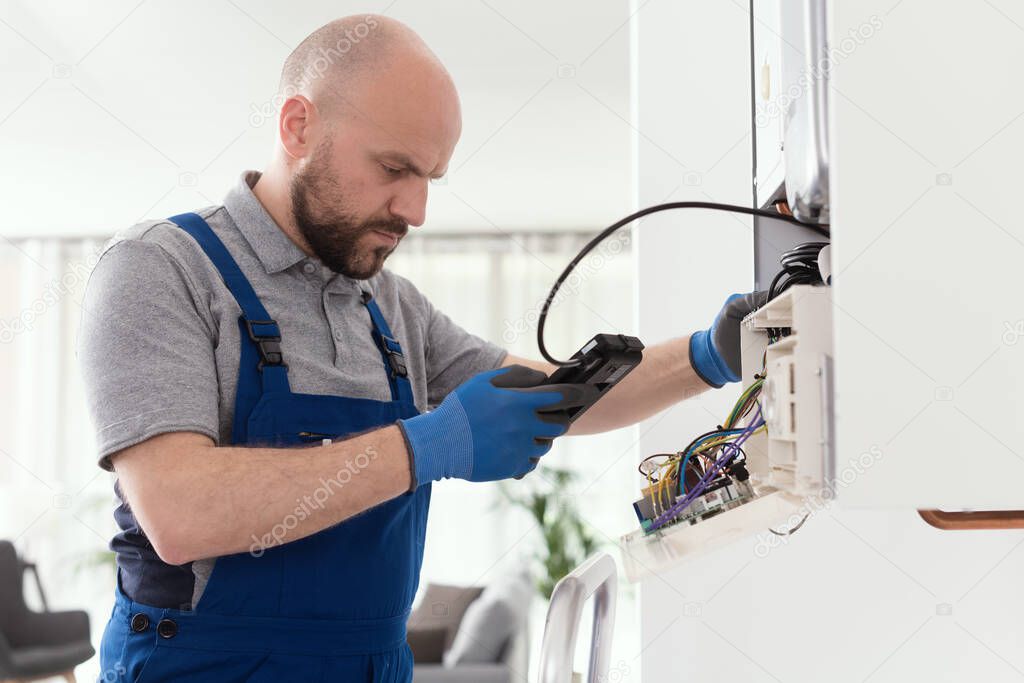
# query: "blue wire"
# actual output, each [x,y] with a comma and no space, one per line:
[733,450]
[734,446]
[689,454]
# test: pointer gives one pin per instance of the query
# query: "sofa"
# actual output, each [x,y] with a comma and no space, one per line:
[472,634]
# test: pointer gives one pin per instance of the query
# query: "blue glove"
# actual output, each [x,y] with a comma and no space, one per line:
[494,426]
[715,353]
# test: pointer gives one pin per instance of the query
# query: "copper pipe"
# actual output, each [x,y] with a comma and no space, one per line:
[973,521]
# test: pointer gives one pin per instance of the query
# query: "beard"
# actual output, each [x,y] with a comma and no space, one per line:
[341,241]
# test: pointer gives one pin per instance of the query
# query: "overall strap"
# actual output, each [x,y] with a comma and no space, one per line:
[390,352]
[262,367]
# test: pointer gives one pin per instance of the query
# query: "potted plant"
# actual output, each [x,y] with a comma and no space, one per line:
[566,542]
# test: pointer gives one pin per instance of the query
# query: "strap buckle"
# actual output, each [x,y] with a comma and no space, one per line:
[395,358]
[268,341]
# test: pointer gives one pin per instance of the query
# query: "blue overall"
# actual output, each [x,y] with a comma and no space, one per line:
[329,607]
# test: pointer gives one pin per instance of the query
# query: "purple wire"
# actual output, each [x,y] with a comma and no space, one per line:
[730,450]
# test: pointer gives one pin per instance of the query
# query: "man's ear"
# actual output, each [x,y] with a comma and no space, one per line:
[298,118]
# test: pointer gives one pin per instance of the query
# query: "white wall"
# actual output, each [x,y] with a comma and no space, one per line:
[854,595]
[693,143]
[946,232]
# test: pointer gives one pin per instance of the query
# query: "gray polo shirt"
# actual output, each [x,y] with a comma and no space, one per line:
[159,340]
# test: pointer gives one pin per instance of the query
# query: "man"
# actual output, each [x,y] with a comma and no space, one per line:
[258,383]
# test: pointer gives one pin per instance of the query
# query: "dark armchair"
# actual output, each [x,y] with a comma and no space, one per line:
[36,645]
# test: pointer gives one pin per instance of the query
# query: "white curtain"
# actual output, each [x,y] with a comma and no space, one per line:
[56,504]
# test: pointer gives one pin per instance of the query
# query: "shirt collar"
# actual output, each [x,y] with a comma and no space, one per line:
[273,248]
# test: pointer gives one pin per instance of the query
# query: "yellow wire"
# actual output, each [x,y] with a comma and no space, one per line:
[668,470]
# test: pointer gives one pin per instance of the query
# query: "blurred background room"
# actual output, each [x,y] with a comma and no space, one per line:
[118,112]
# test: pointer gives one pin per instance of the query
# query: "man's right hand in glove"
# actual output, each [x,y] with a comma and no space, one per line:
[494,426]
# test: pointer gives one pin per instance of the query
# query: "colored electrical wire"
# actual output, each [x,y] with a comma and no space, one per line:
[729,451]
[704,442]
[712,440]
[675,466]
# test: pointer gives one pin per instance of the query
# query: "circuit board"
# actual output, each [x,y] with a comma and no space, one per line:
[726,494]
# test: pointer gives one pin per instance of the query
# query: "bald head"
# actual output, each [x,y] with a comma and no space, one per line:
[368,116]
[340,57]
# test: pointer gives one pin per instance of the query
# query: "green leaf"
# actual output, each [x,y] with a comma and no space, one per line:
[564,539]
